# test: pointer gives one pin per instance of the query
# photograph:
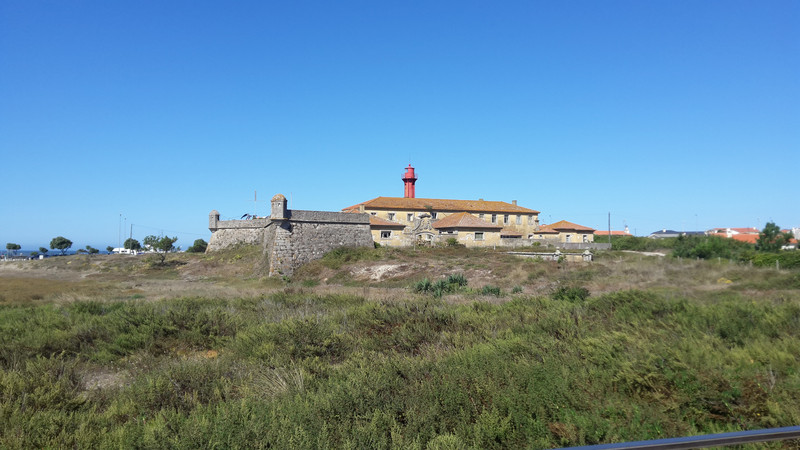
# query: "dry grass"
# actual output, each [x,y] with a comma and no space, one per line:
[382,274]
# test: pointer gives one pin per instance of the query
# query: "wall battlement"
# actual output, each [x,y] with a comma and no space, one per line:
[291,238]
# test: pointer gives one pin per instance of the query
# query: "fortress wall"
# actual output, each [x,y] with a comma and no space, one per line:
[291,238]
[296,243]
[224,238]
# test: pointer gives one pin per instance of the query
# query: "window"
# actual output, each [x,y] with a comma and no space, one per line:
[494,218]
[519,219]
[434,215]
[386,234]
[480,216]
[391,216]
[568,238]
[530,219]
[410,217]
[374,213]
[505,219]
[479,235]
[585,238]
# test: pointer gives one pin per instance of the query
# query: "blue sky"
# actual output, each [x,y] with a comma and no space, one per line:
[667,114]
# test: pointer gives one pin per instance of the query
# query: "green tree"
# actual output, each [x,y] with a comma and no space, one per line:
[92,250]
[110,249]
[34,255]
[161,245]
[43,250]
[12,247]
[60,243]
[132,244]
[199,246]
[771,238]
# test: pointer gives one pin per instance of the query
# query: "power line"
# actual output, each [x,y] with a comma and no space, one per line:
[162,230]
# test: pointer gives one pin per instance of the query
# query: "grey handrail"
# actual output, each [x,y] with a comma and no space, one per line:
[705,440]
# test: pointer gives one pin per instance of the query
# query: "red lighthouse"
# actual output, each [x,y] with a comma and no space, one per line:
[409,178]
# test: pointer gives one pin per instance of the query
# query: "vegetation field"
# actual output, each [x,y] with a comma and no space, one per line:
[383,348]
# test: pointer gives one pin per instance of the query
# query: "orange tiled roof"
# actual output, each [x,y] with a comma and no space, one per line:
[510,232]
[375,221]
[613,233]
[564,225]
[749,230]
[463,220]
[437,204]
[749,238]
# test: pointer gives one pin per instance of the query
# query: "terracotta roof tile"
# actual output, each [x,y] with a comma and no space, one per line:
[436,204]
[375,221]
[564,225]
[463,220]
[613,233]
[510,232]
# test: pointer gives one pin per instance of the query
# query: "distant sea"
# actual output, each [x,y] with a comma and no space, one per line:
[27,253]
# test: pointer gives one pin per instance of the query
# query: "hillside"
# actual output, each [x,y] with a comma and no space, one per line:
[354,352]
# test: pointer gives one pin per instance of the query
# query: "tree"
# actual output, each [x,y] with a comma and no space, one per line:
[12,247]
[132,244]
[110,249]
[771,238]
[199,246]
[92,250]
[60,243]
[42,250]
[34,255]
[161,245]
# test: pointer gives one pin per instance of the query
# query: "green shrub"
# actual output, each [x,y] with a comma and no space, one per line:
[707,247]
[570,293]
[491,290]
[451,284]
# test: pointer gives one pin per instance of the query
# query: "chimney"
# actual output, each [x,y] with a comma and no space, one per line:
[514,202]
[409,178]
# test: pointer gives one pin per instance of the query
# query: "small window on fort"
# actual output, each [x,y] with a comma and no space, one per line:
[585,238]
[391,216]
[434,215]
[568,238]
[494,218]
[530,219]
[519,219]
[386,234]
[478,235]
[505,219]
[374,213]
[410,217]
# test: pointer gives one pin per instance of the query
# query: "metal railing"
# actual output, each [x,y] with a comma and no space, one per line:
[706,440]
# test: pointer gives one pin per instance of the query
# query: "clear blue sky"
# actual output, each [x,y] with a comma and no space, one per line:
[668,114]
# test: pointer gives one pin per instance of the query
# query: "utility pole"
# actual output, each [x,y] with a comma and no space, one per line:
[255,203]
[609,227]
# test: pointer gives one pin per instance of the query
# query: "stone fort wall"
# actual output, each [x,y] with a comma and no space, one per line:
[291,238]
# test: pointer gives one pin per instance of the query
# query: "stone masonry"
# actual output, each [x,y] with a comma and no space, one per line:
[291,238]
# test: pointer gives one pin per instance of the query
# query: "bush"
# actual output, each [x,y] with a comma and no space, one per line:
[707,247]
[570,294]
[785,260]
[199,246]
[451,284]
[491,290]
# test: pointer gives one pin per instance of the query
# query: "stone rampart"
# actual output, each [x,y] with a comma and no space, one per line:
[291,238]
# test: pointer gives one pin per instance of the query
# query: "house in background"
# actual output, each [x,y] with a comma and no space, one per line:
[565,232]
[664,233]
[604,233]
[403,221]
[731,232]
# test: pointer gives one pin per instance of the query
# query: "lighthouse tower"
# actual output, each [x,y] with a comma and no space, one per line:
[409,178]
